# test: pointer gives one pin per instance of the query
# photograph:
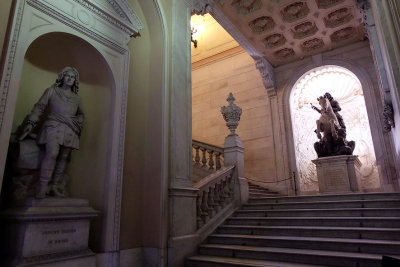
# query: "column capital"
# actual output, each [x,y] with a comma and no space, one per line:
[267,74]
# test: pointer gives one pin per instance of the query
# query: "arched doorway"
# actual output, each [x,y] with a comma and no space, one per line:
[345,87]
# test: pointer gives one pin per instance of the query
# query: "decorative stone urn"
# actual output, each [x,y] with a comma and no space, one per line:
[231,114]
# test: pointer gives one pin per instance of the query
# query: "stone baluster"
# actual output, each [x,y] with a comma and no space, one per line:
[199,210]
[197,155]
[216,198]
[210,159]
[203,159]
[204,206]
[217,161]
[211,203]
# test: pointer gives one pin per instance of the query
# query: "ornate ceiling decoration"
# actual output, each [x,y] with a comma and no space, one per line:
[286,30]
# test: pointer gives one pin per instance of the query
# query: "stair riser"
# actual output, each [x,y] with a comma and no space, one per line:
[297,258]
[315,205]
[194,263]
[303,244]
[378,235]
[258,195]
[324,213]
[262,192]
[393,196]
[316,222]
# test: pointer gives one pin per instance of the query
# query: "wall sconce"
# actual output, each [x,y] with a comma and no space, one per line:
[193,30]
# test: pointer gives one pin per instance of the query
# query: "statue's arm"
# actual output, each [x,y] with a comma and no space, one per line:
[315,108]
[40,107]
[34,117]
[79,113]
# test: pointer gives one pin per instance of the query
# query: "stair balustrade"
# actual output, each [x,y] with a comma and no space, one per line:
[214,193]
[212,157]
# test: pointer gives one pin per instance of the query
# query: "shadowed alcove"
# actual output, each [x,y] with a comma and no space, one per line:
[44,59]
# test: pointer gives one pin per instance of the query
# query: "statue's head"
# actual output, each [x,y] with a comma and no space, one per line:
[69,75]
[328,95]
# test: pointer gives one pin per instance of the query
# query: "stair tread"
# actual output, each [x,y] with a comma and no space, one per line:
[247,262]
[336,195]
[311,228]
[319,202]
[315,218]
[314,239]
[343,254]
[323,209]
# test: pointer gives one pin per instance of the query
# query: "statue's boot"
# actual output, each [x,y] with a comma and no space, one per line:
[41,188]
[58,178]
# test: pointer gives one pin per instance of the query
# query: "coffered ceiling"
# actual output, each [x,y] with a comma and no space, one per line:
[286,30]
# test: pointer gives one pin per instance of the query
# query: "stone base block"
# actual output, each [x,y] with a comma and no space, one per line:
[47,232]
[338,174]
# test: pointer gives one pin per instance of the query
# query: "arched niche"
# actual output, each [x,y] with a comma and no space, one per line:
[345,87]
[106,27]
[370,87]
[44,59]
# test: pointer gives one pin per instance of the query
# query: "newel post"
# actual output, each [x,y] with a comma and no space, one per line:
[234,150]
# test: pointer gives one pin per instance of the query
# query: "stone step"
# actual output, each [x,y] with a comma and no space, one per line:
[213,261]
[378,203]
[336,212]
[315,257]
[259,190]
[258,195]
[380,222]
[315,243]
[326,197]
[304,231]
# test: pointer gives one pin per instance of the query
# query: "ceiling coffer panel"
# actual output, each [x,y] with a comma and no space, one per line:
[287,30]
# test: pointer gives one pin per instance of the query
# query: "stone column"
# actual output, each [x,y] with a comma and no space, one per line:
[234,150]
[183,239]
[387,20]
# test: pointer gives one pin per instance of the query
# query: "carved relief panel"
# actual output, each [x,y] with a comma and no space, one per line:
[304,29]
[312,45]
[262,24]
[294,11]
[328,3]
[342,34]
[338,17]
[244,7]
[275,40]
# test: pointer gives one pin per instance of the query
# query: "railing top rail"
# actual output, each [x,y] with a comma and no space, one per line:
[208,146]
[213,178]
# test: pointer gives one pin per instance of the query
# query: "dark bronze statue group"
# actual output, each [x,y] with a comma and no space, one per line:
[333,142]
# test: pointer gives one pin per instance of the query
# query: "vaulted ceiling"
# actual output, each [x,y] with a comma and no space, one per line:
[287,30]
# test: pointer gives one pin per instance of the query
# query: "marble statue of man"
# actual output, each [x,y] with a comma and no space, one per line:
[61,129]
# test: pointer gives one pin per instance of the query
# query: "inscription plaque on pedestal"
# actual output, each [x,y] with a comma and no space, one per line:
[338,174]
[47,232]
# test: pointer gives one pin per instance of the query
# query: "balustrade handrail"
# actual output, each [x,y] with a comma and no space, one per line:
[208,146]
[213,178]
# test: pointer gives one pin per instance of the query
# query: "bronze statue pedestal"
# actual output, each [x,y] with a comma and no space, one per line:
[338,174]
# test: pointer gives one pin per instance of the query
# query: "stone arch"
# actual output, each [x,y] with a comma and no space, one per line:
[381,144]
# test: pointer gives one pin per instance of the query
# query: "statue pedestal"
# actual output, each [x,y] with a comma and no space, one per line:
[47,232]
[338,174]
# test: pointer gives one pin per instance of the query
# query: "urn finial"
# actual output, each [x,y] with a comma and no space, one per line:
[231,114]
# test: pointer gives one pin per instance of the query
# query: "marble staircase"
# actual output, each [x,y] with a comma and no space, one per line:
[325,230]
[256,191]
